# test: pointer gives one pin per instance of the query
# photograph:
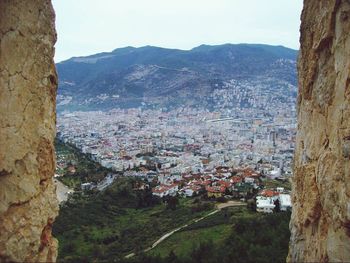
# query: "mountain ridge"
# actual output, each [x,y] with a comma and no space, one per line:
[133,77]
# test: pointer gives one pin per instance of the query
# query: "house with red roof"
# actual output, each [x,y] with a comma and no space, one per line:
[215,191]
[165,190]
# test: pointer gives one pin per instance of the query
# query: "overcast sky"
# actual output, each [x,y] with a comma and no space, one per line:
[87,27]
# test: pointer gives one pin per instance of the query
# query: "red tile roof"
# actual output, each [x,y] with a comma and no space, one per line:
[216,189]
[268,193]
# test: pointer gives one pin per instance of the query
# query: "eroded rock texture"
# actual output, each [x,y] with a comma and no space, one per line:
[28,81]
[320,222]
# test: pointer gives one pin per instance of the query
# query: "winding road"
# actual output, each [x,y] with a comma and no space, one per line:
[219,206]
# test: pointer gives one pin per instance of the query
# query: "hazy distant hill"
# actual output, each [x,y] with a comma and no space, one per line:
[158,77]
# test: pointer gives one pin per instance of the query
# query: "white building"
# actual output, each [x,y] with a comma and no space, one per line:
[264,205]
[285,202]
[164,190]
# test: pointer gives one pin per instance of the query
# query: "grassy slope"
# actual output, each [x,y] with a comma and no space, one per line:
[251,238]
[182,243]
[94,229]
[216,228]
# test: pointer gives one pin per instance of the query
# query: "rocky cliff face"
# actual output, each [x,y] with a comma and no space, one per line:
[320,222]
[28,81]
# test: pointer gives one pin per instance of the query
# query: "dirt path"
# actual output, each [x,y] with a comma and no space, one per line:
[219,206]
[230,203]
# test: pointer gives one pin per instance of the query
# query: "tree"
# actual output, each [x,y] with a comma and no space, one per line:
[172,202]
[251,204]
[146,198]
[227,191]
[172,258]
[277,204]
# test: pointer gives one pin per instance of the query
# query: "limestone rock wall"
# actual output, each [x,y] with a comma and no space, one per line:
[320,224]
[28,81]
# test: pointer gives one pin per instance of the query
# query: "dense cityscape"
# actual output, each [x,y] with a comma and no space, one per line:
[188,151]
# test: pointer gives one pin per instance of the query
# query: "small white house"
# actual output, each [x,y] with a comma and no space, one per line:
[264,205]
[164,190]
[188,191]
[274,173]
[249,180]
[87,186]
[285,202]
[280,189]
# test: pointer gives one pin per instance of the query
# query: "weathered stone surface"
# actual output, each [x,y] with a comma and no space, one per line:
[28,202]
[321,185]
